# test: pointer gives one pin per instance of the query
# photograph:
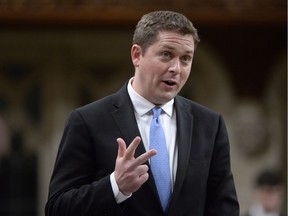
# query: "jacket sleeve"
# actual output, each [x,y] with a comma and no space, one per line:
[78,184]
[221,193]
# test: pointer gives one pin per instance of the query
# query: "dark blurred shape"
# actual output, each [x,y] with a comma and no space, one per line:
[33,104]
[269,179]
[3,104]
[18,181]
[16,72]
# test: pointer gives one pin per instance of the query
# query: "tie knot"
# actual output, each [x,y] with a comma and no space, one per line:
[156,112]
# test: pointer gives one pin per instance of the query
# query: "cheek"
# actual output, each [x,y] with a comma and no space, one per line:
[271,201]
[149,67]
[185,76]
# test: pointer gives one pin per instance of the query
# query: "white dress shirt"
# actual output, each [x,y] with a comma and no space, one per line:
[143,114]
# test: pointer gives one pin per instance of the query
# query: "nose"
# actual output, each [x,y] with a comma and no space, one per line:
[175,66]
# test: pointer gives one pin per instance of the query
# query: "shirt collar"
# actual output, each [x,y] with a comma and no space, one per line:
[142,106]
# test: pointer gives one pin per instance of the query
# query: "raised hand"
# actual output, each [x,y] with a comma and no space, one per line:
[130,172]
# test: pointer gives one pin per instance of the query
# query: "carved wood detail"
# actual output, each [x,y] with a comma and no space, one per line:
[127,12]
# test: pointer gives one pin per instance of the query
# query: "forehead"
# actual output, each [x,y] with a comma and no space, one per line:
[175,39]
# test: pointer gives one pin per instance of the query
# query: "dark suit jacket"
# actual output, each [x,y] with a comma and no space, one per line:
[80,184]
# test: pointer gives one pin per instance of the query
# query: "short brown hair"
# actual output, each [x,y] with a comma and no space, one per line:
[151,24]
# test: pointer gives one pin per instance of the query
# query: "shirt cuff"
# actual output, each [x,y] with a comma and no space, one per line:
[119,197]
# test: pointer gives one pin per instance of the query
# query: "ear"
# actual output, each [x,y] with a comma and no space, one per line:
[136,54]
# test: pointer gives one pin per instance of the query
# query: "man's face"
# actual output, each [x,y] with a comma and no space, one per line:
[270,197]
[162,71]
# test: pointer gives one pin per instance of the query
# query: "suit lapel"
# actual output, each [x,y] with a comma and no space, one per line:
[184,140]
[125,118]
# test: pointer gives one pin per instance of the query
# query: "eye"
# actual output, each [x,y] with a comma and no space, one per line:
[166,55]
[186,59]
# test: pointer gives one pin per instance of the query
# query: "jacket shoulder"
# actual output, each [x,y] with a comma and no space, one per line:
[106,104]
[194,107]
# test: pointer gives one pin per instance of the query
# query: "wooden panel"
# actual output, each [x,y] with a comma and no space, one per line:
[128,12]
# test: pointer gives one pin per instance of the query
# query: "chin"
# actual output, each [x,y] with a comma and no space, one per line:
[165,100]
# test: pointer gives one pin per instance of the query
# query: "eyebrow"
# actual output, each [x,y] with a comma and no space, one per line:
[172,48]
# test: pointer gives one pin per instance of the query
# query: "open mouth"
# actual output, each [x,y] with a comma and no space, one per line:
[169,82]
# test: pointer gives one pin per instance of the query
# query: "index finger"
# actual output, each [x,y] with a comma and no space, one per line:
[130,151]
[145,156]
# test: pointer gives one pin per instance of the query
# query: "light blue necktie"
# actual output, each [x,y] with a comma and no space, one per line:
[160,162]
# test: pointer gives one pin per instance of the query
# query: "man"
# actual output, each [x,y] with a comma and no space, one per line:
[269,195]
[94,175]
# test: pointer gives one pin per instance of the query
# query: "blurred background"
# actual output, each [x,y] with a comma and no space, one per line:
[56,55]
